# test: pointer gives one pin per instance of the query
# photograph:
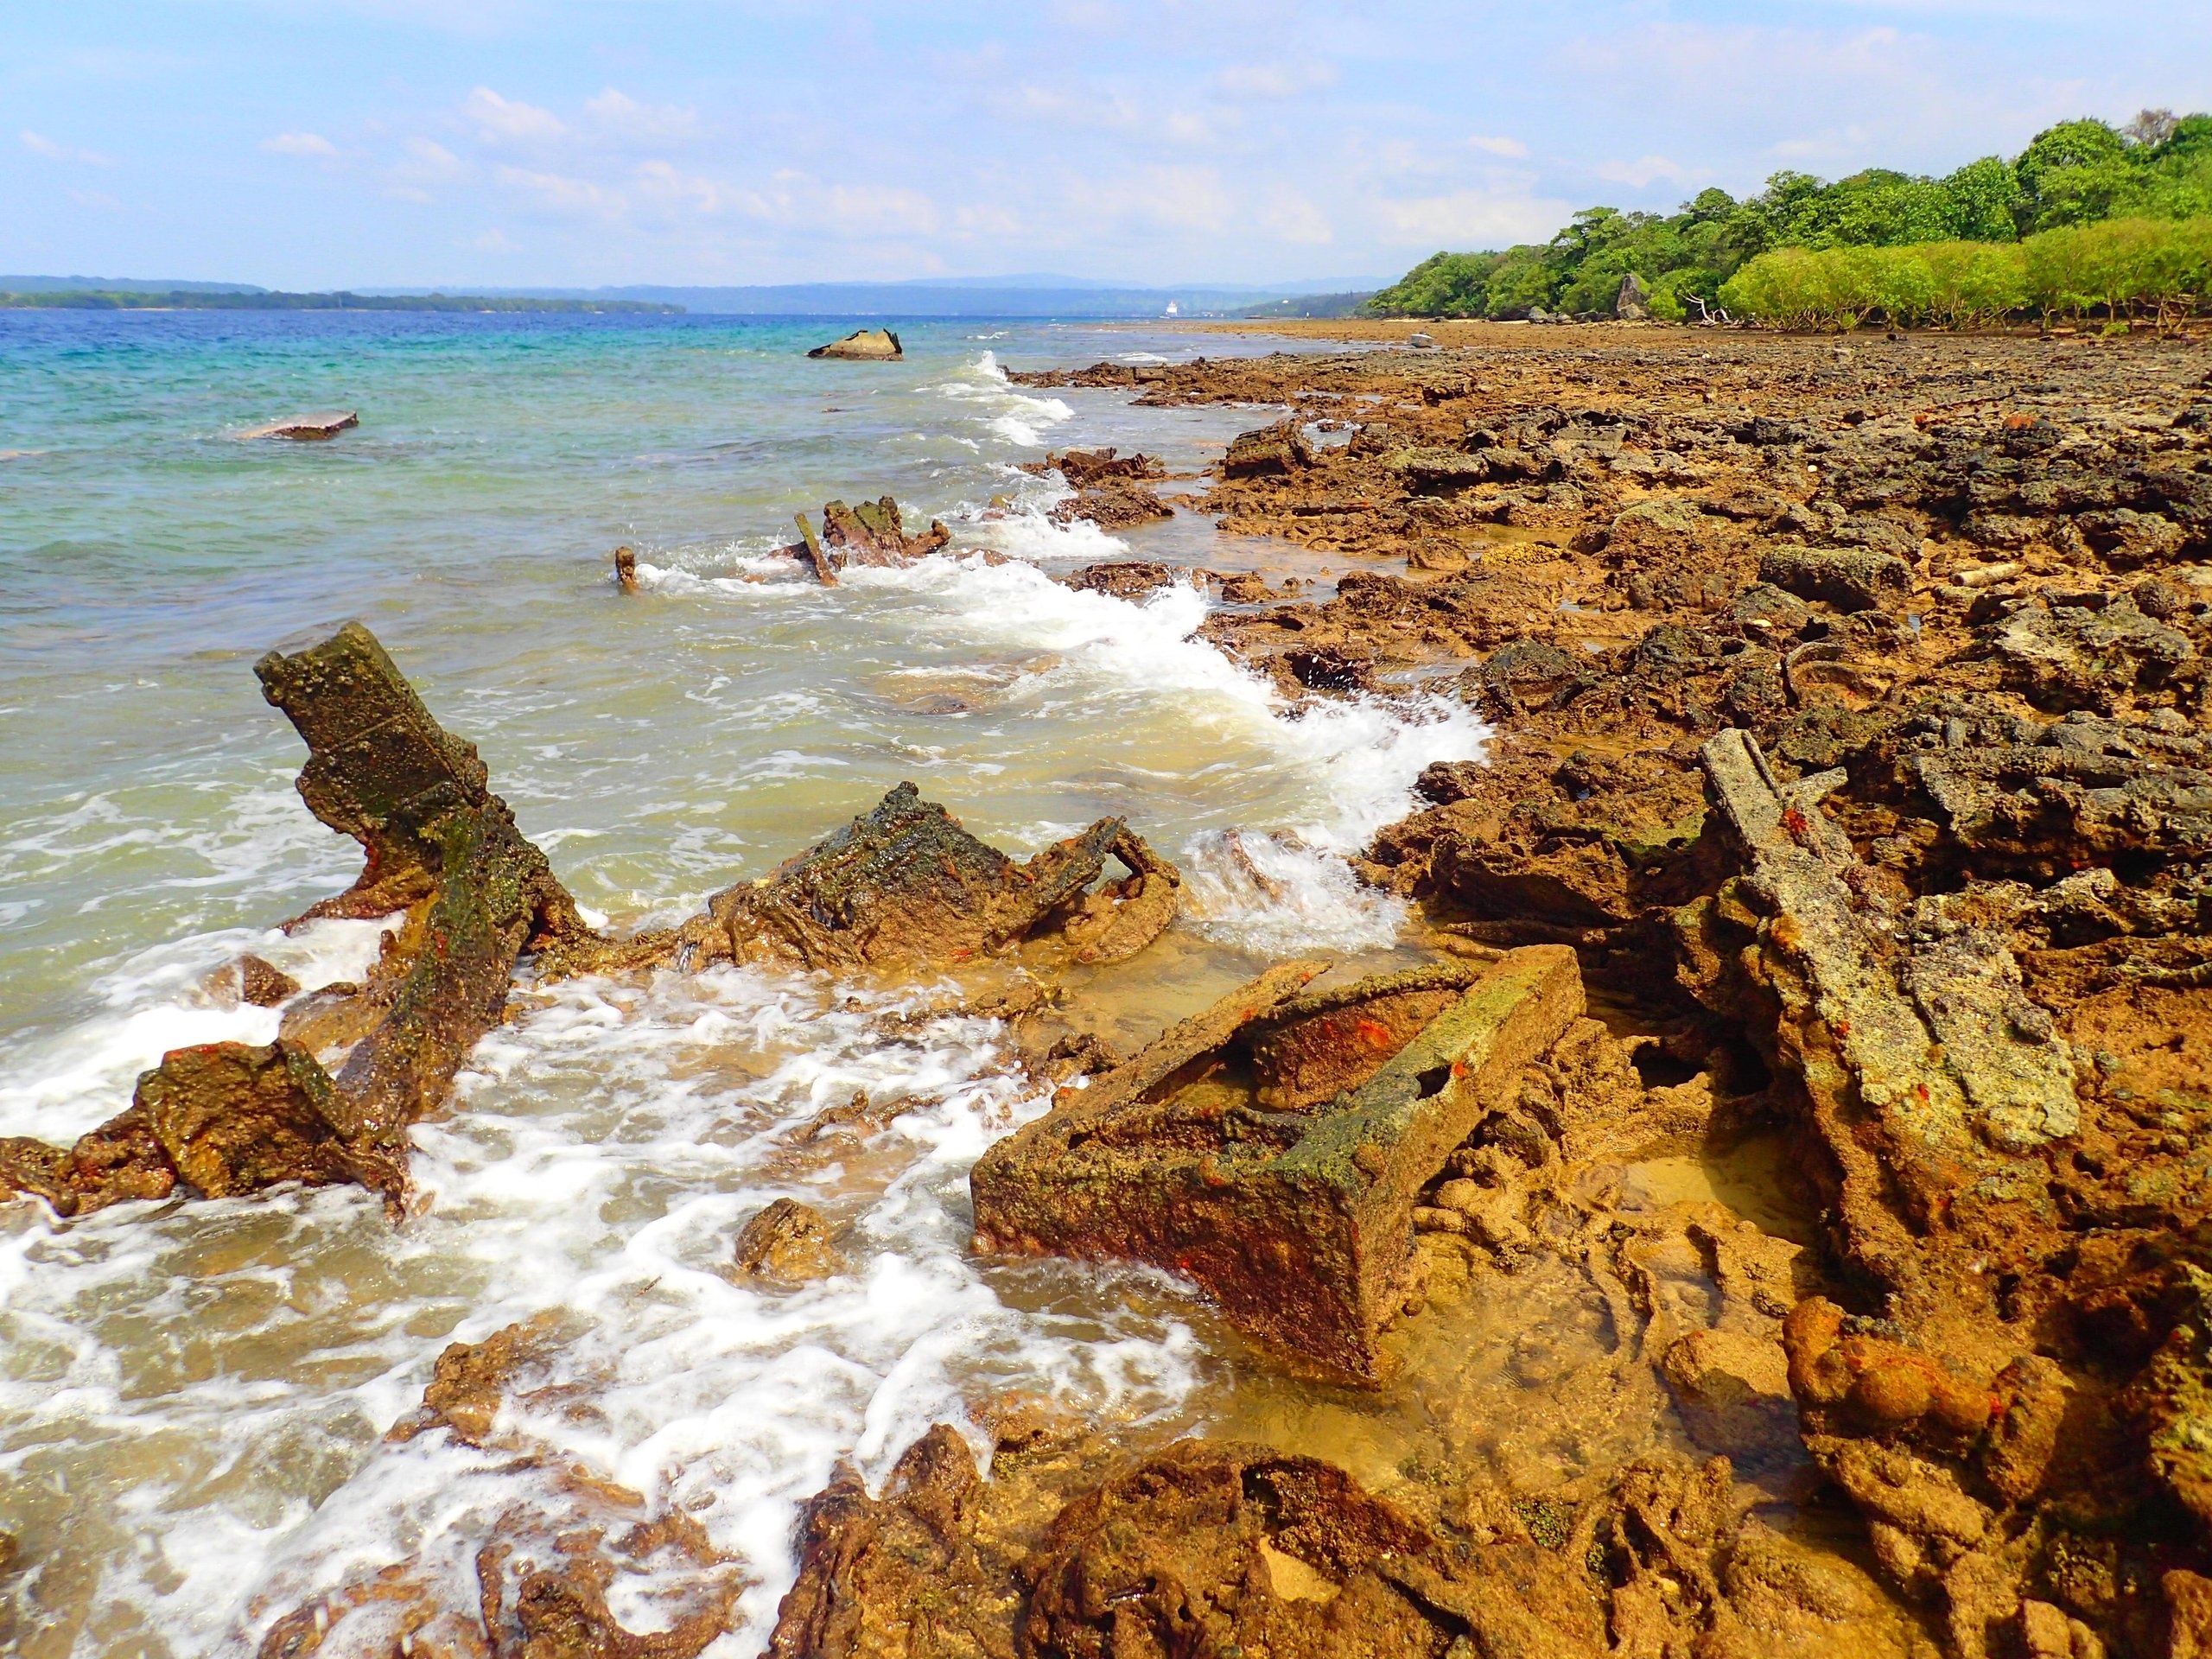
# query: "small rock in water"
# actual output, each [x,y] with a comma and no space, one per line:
[865,345]
[307,429]
[788,1240]
[263,984]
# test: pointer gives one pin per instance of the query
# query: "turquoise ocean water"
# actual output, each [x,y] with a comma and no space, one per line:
[192,1397]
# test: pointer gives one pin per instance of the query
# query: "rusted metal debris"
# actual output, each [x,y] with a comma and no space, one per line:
[1272,1147]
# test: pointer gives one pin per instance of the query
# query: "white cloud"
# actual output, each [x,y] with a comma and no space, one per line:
[877,210]
[426,165]
[617,113]
[40,144]
[1471,219]
[1154,199]
[312,145]
[1508,147]
[1275,80]
[1291,218]
[1645,170]
[1089,16]
[494,240]
[561,193]
[500,120]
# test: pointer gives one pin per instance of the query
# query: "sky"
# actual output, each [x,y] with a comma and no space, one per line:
[580,142]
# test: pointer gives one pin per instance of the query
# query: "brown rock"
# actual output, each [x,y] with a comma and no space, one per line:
[231,1118]
[787,1241]
[263,985]
[472,1380]
[121,1160]
[234,1118]
[1849,579]
[1208,1548]
[1123,578]
[905,884]
[1279,449]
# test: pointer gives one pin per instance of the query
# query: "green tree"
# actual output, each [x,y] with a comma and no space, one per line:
[1985,201]
[2071,174]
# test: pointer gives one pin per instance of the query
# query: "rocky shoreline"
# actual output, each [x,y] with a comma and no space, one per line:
[1849,802]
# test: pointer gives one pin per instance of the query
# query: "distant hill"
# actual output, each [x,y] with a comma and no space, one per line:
[1031,295]
[1314,305]
[1040,296]
[262,299]
[117,285]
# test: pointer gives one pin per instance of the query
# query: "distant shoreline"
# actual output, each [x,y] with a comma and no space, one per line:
[184,300]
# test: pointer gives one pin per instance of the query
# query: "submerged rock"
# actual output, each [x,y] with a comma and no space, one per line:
[868,345]
[307,429]
[1217,1152]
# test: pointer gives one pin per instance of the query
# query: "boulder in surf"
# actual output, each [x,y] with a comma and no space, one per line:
[864,344]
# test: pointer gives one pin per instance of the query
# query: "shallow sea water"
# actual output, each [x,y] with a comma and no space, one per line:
[193,1397]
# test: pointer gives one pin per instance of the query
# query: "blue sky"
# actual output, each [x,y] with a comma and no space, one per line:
[309,143]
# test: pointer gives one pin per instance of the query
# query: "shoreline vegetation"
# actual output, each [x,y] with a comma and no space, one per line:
[2087,220]
[270,300]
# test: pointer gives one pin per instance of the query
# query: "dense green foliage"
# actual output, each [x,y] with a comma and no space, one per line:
[2118,267]
[2078,173]
[264,300]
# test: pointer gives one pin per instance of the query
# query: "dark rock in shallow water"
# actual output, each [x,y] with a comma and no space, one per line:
[872,533]
[1115,505]
[1123,578]
[307,429]
[1087,469]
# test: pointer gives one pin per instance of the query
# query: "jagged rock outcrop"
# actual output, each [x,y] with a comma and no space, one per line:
[872,533]
[905,885]
[230,1118]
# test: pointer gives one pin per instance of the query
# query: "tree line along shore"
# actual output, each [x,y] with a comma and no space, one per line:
[2089,220]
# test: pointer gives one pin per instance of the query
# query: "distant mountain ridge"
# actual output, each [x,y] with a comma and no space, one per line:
[1029,294]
